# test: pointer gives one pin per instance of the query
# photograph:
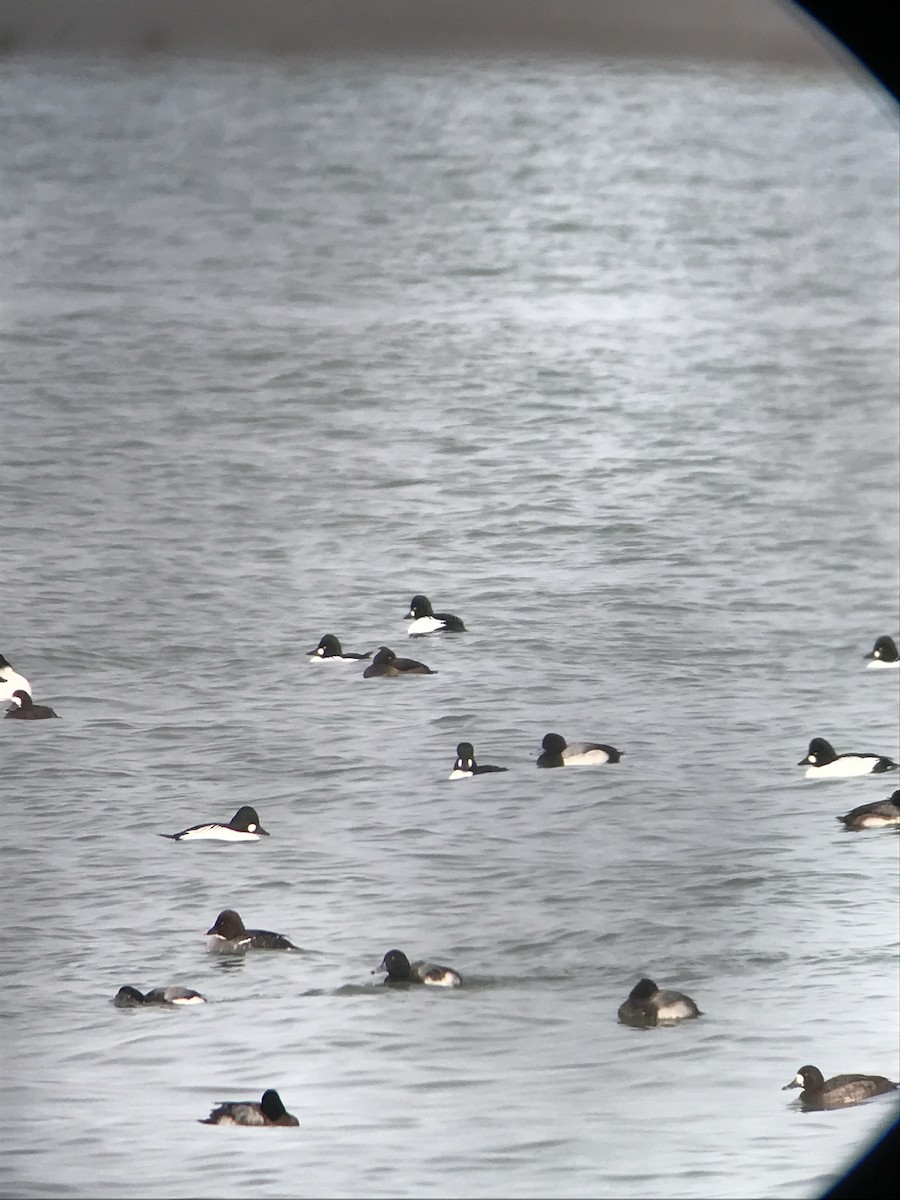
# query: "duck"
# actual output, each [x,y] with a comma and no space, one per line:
[400,970]
[25,709]
[883,654]
[11,680]
[557,752]
[269,1110]
[229,936]
[649,1005]
[837,1092]
[875,815]
[466,766]
[329,649]
[425,620]
[130,997]
[244,826]
[823,762]
[387,664]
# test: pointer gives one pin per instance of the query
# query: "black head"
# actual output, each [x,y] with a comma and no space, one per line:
[385,656]
[23,698]
[420,606]
[554,743]
[328,647]
[885,649]
[819,754]
[246,820]
[396,964]
[271,1105]
[4,663]
[465,757]
[228,925]
[643,990]
[126,996]
[808,1078]
[895,799]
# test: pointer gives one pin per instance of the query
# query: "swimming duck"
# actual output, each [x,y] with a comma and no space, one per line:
[244,826]
[649,1005]
[25,709]
[268,1111]
[875,815]
[466,766]
[823,762]
[425,620]
[883,654]
[400,970]
[130,997]
[228,936]
[559,753]
[837,1092]
[329,650]
[387,664]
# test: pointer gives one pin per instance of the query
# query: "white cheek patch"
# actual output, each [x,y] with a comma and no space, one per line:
[812,760]
[799,1079]
[251,828]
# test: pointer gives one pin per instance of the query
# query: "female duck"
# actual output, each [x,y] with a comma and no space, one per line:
[823,762]
[466,766]
[388,665]
[268,1111]
[400,970]
[837,1092]
[557,752]
[649,1005]
[25,709]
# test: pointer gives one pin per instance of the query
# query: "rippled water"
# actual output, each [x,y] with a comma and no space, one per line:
[602,357]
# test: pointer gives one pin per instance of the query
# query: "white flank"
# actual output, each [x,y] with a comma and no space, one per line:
[844,767]
[424,625]
[218,833]
[454,774]
[11,681]
[188,1000]
[878,664]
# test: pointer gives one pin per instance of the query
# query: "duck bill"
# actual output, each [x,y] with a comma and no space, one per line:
[379,970]
[804,762]
[793,1084]
[262,832]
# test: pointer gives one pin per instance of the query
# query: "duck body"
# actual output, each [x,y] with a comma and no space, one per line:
[823,762]
[269,1111]
[425,620]
[244,826]
[387,665]
[229,936]
[883,655]
[11,680]
[557,752]
[648,1005]
[465,766]
[838,1092]
[874,816]
[400,970]
[25,709]
[130,997]
[329,649]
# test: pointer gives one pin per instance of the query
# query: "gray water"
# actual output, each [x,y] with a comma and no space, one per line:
[602,357]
